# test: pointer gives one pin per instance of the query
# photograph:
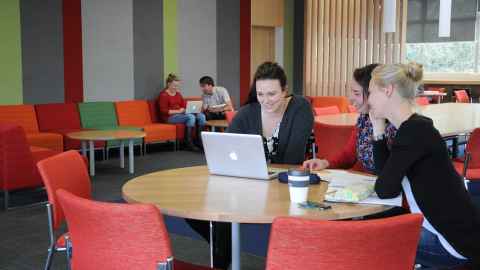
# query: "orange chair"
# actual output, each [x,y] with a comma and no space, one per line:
[137,113]
[326,101]
[112,236]
[66,171]
[24,116]
[422,101]
[461,96]
[326,110]
[388,243]
[229,115]
[330,139]
[470,166]
[352,109]
[18,160]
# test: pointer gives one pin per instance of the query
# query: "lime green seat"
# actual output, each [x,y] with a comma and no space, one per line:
[102,115]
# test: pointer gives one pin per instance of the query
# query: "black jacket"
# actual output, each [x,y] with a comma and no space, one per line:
[418,152]
[295,128]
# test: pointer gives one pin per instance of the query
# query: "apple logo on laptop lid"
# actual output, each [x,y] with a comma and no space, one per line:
[233,156]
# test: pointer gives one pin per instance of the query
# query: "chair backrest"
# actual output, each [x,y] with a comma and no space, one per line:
[422,101]
[461,96]
[111,236]
[64,171]
[352,109]
[331,139]
[388,243]
[229,115]
[133,113]
[325,101]
[57,116]
[326,110]
[473,148]
[98,114]
[17,168]
[154,112]
[21,115]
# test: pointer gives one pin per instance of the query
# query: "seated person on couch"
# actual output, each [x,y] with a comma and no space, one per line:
[216,99]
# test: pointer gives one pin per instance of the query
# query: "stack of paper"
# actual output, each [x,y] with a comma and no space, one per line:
[350,187]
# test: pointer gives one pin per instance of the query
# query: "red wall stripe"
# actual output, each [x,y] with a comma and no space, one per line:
[72,50]
[245,29]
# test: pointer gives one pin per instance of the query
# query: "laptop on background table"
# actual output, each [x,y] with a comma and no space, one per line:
[239,155]
[194,106]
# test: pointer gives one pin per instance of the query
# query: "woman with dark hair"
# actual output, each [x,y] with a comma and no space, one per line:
[284,121]
[359,147]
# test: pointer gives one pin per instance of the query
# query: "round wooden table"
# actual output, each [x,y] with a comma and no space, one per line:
[449,118]
[217,123]
[193,193]
[107,135]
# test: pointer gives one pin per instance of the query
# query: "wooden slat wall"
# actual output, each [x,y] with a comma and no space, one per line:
[341,35]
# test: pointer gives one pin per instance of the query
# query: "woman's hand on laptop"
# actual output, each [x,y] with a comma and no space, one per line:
[315,164]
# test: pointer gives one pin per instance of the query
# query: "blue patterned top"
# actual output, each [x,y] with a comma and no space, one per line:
[364,141]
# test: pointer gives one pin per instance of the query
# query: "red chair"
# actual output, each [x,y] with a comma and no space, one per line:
[330,139]
[437,99]
[17,161]
[388,243]
[422,101]
[326,110]
[352,109]
[461,96]
[229,115]
[66,171]
[112,236]
[469,168]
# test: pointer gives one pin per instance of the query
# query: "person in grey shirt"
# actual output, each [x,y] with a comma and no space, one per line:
[216,99]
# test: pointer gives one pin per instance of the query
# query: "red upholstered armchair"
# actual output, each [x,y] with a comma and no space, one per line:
[18,160]
[469,168]
[112,236]
[388,243]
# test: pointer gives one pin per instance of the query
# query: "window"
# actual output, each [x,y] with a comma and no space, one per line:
[457,53]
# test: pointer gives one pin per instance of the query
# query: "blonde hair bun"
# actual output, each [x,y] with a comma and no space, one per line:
[414,71]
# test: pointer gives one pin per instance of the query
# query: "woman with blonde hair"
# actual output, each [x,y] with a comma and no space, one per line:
[418,165]
[172,110]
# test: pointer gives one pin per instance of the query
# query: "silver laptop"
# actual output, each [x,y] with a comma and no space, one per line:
[239,155]
[194,106]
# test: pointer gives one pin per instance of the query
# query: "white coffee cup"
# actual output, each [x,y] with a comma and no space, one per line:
[298,181]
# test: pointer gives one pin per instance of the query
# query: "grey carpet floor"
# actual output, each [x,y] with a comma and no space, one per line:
[23,231]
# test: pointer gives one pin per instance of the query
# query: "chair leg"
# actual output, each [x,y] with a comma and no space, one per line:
[68,251]
[6,199]
[51,252]
[145,148]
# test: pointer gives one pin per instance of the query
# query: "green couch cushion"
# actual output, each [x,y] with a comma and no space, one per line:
[98,115]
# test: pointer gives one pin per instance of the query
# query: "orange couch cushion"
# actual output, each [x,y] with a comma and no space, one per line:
[133,113]
[326,101]
[137,113]
[51,141]
[159,132]
[21,115]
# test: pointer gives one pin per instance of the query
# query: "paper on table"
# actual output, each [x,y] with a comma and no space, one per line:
[340,179]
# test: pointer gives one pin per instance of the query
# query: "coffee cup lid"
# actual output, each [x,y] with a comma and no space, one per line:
[299,172]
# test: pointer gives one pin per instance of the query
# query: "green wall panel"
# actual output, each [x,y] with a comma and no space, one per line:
[170,29]
[288,41]
[10,53]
